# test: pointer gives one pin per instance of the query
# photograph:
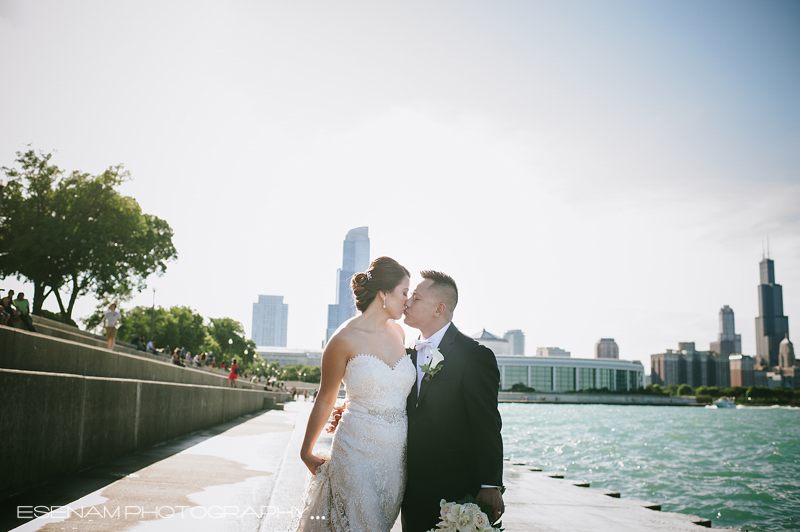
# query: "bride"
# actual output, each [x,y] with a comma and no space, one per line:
[360,486]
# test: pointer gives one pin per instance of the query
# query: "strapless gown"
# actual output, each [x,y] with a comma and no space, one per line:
[360,488]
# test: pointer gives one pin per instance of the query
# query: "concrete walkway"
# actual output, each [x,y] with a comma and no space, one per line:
[246,476]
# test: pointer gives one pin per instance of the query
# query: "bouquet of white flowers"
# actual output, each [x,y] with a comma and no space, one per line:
[463,517]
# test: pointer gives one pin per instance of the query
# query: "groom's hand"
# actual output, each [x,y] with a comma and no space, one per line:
[493,497]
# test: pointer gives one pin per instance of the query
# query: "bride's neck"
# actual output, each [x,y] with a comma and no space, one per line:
[373,321]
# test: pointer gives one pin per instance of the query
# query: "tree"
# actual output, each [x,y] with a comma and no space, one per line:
[224,329]
[76,232]
[685,389]
[177,327]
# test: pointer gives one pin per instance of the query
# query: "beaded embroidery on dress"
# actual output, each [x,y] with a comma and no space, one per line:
[360,488]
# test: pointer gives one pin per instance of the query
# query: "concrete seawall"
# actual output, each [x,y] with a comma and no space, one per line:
[54,424]
[598,399]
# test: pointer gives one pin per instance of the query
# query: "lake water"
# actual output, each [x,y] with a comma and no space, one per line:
[740,468]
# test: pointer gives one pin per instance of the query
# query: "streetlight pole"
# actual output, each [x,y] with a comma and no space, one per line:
[230,348]
[153,316]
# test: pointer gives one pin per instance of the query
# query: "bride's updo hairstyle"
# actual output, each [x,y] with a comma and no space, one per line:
[383,275]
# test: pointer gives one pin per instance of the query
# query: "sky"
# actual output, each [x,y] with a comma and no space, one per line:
[583,169]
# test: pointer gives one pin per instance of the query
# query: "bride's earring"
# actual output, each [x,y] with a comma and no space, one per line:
[384,302]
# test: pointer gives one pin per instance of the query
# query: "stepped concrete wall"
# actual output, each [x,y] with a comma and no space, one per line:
[69,332]
[68,406]
[29,351]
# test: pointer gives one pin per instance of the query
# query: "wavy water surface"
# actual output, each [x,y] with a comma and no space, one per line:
[740,468]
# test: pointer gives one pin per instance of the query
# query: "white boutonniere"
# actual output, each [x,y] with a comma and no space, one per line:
[434,366]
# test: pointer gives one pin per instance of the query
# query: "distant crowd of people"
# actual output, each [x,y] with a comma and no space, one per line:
[183,358]
[16,312]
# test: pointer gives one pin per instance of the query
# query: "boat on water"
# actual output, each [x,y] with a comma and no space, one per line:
[724,402]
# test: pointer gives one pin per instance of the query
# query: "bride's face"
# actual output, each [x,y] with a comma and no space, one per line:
[396,299]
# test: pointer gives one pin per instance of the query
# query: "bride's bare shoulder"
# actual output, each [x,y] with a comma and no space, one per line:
[342,340]
[395,328]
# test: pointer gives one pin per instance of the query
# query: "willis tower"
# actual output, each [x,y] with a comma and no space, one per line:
[771,325]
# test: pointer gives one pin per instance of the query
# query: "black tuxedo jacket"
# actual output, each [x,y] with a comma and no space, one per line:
[454,441]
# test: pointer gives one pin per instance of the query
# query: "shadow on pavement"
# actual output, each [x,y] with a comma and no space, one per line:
[61,491]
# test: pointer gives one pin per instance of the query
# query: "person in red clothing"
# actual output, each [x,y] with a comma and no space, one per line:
[232,376]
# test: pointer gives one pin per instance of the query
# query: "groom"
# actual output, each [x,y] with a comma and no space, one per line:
[454,443]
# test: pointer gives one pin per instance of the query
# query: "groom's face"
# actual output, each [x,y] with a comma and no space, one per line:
[421,306]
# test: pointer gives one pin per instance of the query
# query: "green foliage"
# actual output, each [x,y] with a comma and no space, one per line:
[181,326]
[221,331]
[291,373]
[685,389]
[75,232]
[654,389]
[210,344]
[735,391]
[313,373]
[636,391]
[300,372]
[521,388]
[260,367]
[762,395]
[701,398]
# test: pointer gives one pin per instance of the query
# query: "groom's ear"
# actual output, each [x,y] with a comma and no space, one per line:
[440,310]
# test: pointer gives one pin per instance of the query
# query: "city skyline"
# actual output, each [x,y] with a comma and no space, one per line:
[583,169]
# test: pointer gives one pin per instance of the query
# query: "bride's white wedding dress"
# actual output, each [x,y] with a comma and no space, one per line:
[360,488]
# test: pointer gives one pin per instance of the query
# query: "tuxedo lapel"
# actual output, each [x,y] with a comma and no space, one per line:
[448,340]
[413,395]
[444,348]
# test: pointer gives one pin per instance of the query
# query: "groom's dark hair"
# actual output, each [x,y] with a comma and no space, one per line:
[445,285]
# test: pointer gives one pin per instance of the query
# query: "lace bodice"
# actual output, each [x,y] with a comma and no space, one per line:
[376,388]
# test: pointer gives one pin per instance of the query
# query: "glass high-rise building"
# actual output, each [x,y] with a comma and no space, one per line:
[270,321]
[355,258]
[771,325]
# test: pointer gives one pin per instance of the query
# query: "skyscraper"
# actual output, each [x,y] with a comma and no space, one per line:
[606,348]
[786,354]
[355,258]
[270,321]
[728,342]
[771,325]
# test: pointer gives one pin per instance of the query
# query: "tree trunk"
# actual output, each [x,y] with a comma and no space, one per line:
[73,297]
[60,303]
[38,297]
